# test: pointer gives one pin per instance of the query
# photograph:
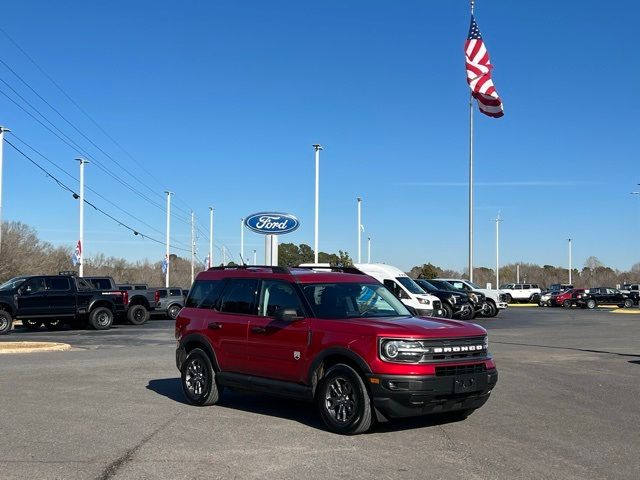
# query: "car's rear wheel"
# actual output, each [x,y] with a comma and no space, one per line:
[137,315]
[199,379]
[566,303]
[591,304]
[6,322]
[54,325]
[31,324]
[343,400]
[101,318]
[628,303]
[173,311]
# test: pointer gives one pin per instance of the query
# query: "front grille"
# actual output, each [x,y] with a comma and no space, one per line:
[443,350]
[460,370]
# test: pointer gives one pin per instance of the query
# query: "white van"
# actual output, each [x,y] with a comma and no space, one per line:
[404,288]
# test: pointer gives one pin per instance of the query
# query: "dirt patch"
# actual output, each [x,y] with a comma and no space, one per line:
[30,347]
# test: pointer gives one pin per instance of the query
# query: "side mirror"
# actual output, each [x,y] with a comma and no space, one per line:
[286,314]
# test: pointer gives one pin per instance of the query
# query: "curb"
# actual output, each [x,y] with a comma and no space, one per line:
[523,305]
[626,311]
[31,347]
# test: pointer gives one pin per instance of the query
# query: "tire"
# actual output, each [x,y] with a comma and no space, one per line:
[31,324]
[6,322]
[199,379]
[447,311]
[628,303]
[493,310]
[540,304]
[566,304]
[173,311]
[344,402]
[591,304]
[469,315]
[101,318]
[535,298]
[508,298]
[54,325]
[137,315]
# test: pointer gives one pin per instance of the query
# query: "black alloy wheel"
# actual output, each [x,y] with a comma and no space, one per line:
[100,318]
[199,379]
[138,314]
[173,311]
[344,402]
[566,303]
[31,324]
[447,311]
[467,313]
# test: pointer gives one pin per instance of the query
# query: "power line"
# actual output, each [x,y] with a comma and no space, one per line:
[95,207]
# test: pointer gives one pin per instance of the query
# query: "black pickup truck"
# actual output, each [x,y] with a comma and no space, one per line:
[56,300]
[142,299]
[593,297]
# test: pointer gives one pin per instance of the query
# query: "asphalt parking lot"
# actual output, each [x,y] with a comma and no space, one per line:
[566,406]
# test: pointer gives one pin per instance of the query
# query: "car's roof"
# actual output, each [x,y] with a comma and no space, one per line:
[294,274]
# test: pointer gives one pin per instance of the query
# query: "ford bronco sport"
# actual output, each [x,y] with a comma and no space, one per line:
[338,337]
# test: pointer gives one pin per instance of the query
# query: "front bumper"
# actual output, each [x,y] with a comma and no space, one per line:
[396,396]
[423,312]
[502,305]
[462,308]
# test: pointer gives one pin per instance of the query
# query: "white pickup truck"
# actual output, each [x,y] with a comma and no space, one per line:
[496,299]
[521,292]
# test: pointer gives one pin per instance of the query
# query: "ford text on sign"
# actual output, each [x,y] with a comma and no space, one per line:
[272,223]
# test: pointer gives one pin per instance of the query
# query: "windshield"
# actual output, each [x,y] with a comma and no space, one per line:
[477,287]
[13,283]
[353,300]
[442,285]
[410,285]
[424,284]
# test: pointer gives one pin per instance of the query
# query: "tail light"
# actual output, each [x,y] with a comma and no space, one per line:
[156,296]
[125,297]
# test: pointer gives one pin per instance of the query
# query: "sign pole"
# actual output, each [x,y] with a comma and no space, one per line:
[315,239]
[359,230]
[242,241]
[2,132]
[211,237]
[81,259]
[168,257]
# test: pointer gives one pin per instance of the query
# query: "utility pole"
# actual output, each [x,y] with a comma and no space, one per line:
[82,249]
[315,238]
[518,273]
[498,250]
[368,249]
[193,246]
[210,237]
[2,132]
[359,230]
[168,255]
[242,262]
[570,260]
[255,257]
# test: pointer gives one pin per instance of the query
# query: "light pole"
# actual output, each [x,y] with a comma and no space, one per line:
[2,132]
[168,244]
[359,230]
[255,257]
[81,240]
[368,249]
[570,265]
[210,237]
[242,241]
[498,220]
[315,238]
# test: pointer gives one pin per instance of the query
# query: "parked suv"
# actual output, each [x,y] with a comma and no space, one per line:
[454,304]
[141,301]
[496,300]
[337,338]
[170,301]
[593,297]
[521,292]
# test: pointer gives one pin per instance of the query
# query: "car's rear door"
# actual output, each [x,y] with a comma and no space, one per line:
[60,296]
[277,348]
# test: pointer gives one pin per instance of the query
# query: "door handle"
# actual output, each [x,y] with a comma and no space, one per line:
[214,326]
[259,330]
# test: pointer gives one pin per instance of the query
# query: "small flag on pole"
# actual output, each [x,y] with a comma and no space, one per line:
[207,262]
[77,254]
[165,264]
[479,73]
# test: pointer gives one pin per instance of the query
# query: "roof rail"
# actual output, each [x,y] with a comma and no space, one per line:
[333,268]
[274,268]
[68,273]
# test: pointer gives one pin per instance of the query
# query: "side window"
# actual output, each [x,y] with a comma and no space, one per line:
[204,294]
[518,287]
[397,290]
[140,287]
[124,287]
[175,292]
[162,293]
[459,285]
[84,285]
[526,287]
[58,283]
[277,295]
[239,297]
[35,285]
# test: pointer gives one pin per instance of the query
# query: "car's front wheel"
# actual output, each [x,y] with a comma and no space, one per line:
[447,311]
[591,304]
[628,303]
[343,400]
[173,311]
[6,322]
[199,379]
[566,303]
[508,298]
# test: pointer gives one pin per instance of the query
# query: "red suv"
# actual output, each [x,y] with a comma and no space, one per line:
[337,337]
[567,298]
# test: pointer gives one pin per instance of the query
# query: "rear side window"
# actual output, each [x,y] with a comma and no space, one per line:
[140,287]
[100,283]
[518,287]
[58,283]
[277,295]
[162,293]
[204,294]
[124,287]
[240,297]
[175,292]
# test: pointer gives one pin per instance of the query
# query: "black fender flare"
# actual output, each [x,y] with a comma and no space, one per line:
[341,351]
[202,342]
[8,308]
[100,302]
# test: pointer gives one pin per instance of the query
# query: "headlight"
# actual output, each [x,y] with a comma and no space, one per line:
[424,301]
[473,297]
[402,351]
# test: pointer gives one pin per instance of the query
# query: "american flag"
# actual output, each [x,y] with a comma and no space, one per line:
[479,73]
[77,254]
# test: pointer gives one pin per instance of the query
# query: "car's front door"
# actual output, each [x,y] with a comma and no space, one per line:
[32,298]
[277,348]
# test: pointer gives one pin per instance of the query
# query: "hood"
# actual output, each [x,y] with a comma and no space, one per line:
[419,327]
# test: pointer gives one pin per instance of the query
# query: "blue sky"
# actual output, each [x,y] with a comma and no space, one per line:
[221,102]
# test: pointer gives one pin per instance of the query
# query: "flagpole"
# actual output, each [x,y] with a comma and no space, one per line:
[81,241]
[471,177]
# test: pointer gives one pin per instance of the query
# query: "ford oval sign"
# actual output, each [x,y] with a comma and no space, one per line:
[272,223]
